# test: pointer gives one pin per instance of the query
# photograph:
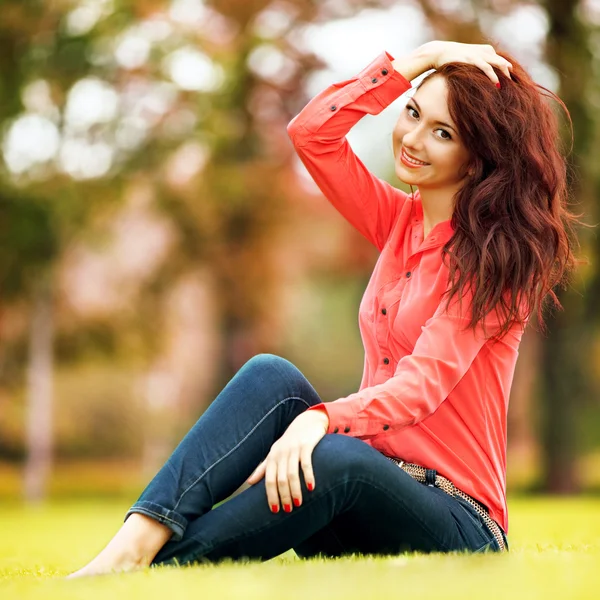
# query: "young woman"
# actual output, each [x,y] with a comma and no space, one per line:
[464,263]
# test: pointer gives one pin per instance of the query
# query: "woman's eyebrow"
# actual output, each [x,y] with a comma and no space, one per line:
[435,122]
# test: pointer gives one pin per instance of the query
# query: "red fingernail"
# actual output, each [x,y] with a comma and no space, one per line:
[310,487]
[296,502]
[287,508]
[275,508]
[498,85]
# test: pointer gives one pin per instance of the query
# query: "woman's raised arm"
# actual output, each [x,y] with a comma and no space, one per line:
[319,136]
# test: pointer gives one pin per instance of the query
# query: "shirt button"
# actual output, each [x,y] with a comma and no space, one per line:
[333,107]
[374,80]
[386,361]
[346,429]
[383,311]
[408,274]
[336,430]
[386,427]
[384,72]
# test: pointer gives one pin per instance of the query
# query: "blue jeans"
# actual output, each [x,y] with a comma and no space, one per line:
[362,502]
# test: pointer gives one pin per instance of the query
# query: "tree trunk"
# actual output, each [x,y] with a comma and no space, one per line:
[523,445]
[39,395]
[567,381]
[565,386]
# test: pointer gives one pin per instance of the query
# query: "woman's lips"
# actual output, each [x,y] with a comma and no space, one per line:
[410,161]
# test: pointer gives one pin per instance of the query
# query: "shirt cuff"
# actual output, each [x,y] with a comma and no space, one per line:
[381,71]
[342,418]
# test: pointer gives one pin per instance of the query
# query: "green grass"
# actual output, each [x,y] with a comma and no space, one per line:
[555,553]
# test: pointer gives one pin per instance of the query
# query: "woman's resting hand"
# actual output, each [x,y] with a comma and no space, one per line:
[293,448]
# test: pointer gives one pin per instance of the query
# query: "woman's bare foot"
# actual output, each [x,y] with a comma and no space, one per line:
[134,547]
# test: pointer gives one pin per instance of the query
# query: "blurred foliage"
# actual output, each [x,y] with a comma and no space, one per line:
[209,160]
[98,416]
[28,239]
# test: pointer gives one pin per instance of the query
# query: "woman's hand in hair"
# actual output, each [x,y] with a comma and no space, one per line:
[481,55]
[433,55]
[292,450]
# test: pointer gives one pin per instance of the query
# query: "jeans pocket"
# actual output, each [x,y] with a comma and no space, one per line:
[476,534]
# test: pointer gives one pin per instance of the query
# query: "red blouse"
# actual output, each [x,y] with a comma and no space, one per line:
[431,393]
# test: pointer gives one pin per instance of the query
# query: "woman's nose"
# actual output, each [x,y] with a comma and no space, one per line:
[413,139]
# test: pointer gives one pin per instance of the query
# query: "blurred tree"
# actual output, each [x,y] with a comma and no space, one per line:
[28,241]
[33,228]
[29,246]
[567,371]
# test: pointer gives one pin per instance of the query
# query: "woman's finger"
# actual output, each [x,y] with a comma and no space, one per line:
[488,70]
[293,472]
[258,473]
[283,486]
[307,468]
[502,64]
[271,484]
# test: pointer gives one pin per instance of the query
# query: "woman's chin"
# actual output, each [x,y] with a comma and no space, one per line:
[405,176]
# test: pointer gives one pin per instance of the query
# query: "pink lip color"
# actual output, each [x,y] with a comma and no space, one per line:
[408,164]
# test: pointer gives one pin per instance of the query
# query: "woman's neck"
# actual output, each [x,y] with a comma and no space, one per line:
[437,207]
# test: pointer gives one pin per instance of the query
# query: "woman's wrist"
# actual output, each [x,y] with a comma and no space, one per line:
[417,62]
[320,414]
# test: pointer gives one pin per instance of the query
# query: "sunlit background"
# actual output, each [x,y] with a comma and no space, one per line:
[158,231]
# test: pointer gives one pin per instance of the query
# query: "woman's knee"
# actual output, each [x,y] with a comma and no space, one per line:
[274,370]
[342,456]
[264,362]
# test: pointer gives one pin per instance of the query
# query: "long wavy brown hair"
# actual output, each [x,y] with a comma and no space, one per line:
[514,235]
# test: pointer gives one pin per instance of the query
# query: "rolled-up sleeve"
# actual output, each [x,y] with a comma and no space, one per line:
[318,135]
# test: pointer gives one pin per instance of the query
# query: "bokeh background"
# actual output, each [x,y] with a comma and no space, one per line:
[157,229]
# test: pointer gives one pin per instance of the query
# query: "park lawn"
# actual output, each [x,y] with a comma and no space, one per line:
[555,553]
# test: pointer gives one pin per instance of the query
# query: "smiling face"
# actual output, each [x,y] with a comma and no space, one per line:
[428,151]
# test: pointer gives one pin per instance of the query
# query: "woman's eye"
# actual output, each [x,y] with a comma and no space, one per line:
[412,112]
[444,134]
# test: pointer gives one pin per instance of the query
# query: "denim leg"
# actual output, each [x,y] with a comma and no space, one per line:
[352,533]
[227,443]
[362,503]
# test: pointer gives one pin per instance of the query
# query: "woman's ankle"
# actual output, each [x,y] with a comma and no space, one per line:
[146,535]
[140,538]
[132,548]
